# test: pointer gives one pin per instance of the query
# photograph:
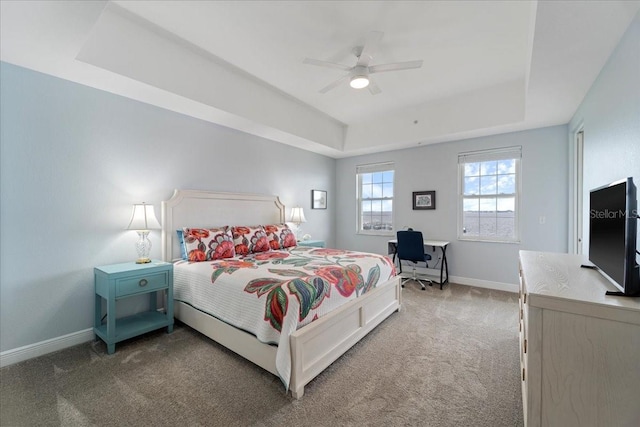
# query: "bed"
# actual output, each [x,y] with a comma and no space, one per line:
[303,349]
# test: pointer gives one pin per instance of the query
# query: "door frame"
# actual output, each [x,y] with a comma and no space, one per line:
[576,190]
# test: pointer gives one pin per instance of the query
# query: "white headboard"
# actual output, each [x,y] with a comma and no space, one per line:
[206,209]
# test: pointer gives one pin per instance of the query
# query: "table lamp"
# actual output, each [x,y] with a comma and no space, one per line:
[142,221]
[297,217]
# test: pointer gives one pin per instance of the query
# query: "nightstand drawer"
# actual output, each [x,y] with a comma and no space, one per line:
[141,283]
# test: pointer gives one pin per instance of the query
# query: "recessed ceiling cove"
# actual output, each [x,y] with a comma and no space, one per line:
[486,67]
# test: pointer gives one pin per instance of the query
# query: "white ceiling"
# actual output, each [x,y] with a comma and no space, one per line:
[489,66]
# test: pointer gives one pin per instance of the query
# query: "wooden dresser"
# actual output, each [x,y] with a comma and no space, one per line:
[579,349]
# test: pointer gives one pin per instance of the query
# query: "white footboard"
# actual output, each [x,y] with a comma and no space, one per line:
[317,345]
[314,347]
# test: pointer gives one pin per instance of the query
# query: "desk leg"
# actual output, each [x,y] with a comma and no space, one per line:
[392,248]
[444,267]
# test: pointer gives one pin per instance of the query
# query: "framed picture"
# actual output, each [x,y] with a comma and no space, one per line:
[318,199]
[424,200]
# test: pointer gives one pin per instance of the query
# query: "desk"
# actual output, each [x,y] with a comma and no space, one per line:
[444,266]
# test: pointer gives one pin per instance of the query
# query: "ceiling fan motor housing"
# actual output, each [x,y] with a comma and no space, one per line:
[360,71]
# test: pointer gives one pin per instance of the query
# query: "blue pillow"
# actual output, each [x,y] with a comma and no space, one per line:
[183,248]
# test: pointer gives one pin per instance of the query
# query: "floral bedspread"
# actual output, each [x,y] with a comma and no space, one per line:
[271,294]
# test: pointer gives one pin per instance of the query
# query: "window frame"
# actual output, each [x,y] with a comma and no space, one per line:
[505,153]
[373,168]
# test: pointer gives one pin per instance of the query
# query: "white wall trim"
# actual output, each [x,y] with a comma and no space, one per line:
[574,168]
[30,351]
[434,274]
[498,286]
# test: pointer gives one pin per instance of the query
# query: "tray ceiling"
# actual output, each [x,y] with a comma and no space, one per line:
[489,67]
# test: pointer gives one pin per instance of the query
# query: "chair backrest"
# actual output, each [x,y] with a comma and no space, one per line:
[410,246]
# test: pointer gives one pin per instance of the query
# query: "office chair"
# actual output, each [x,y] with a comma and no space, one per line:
[411,248]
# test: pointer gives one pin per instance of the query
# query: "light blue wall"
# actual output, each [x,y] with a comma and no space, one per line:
[610,115]
[435,167]
[74,160]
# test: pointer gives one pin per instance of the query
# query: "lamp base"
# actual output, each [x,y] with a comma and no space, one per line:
[143,247]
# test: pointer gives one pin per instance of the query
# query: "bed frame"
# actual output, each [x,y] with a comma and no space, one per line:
[313,347]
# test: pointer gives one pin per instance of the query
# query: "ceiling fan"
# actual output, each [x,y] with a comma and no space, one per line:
[358,75]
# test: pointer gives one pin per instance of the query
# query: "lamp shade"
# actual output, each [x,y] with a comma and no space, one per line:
[297,215]
[143,218]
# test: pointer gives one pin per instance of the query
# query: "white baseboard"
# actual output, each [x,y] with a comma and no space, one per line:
[434,274]
[30,351]
[499,286]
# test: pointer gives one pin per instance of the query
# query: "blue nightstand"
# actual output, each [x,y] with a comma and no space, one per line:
[118,281]
[314,243]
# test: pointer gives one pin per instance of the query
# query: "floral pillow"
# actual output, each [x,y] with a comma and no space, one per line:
[206,244]
[248,240]
[280,236]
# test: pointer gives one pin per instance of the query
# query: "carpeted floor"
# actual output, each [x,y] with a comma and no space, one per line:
[448,358]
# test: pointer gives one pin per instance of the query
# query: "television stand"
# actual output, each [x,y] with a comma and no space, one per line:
[592,267]
[621,294]
[617,293]
[578,348]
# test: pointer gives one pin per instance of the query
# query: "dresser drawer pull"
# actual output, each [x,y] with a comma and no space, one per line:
[522,374]
[143,282]
[525,346]
[525,298]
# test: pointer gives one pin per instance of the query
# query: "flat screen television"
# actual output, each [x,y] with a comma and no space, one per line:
[613,234]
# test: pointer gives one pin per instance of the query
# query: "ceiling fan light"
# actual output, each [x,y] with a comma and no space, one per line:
[359,82]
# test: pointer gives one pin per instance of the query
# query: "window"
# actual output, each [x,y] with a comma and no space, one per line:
[489,183]
[375,198]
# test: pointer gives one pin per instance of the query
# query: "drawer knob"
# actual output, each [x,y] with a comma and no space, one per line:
[143,282]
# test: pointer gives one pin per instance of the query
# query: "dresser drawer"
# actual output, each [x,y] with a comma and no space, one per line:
[141,283]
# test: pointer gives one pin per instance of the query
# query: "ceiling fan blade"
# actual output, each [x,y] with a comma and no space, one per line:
[326,64]
[373,88]
[395,67]
[369,48]
[335,84]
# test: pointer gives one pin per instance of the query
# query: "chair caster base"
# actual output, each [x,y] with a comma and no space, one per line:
[418,281]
